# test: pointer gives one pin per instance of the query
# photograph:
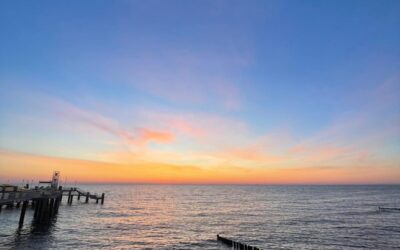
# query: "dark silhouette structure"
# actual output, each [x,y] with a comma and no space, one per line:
[45,200]
[235,244]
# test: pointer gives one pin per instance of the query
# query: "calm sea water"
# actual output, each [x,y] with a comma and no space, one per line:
[189,217]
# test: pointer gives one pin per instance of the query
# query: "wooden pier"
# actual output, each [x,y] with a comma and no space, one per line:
[74,191]
[44,200]
[236,244]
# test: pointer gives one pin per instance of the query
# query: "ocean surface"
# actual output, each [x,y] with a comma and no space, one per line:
[190,217]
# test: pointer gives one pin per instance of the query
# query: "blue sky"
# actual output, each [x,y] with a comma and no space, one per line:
[212,75]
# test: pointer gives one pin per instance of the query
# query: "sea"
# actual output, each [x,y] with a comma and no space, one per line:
[191,216]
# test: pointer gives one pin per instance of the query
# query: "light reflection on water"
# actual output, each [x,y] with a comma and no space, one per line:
[189,217]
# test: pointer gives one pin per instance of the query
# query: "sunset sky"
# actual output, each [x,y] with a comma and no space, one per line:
[266,92]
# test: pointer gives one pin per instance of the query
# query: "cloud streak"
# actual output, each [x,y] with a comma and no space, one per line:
[137,137]
[210,144]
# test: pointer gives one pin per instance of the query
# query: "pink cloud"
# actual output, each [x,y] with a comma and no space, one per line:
[203,127]
[134,137]
[145,135]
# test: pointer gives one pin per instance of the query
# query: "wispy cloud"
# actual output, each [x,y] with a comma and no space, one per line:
[204,139]
[137,137]
[211,144]
[200,126]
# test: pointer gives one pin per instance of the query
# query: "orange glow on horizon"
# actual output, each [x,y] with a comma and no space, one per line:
[20,166]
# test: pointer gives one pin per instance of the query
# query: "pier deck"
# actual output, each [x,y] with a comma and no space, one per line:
[27,195]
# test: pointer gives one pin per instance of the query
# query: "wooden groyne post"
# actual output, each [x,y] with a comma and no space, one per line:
[236,244]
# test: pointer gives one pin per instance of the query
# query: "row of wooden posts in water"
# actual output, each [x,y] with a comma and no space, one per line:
[236,245]
[77,192]
[389,209]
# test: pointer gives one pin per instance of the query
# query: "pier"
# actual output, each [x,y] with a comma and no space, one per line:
[74,191]
[236,245]
[44,200]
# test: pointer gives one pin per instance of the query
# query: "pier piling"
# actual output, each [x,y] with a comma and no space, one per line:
[22,216]
[51,208]
[39,209]
[56,205]
[36,209]
[69,196]
[42,215]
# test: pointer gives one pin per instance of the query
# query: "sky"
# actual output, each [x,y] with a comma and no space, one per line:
[208,92]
